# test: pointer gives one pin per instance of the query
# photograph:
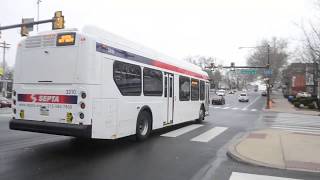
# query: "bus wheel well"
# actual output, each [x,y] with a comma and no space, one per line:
[147,109]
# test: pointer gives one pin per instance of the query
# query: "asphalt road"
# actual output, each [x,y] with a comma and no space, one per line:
[25,155]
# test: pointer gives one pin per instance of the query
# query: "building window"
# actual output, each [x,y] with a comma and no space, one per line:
[202,90]
[194,89]
[127,78]
[184,88]
[152,82]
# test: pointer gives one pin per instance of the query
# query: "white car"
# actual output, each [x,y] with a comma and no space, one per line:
[221,92]
[243,97]
[303,94]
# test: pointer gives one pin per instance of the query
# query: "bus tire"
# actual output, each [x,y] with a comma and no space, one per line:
[144,125]
[201,114]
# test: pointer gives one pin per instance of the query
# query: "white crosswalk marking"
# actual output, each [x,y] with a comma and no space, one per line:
[294,123]
[209,135]
[181,131]
[234,108]
[245,176]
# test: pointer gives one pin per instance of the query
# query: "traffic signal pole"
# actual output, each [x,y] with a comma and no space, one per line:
[26,24]
[268,82]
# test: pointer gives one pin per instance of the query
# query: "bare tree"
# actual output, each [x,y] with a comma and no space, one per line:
[278,56]
[203,62]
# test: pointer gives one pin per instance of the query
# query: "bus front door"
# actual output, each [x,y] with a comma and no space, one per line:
[168,95]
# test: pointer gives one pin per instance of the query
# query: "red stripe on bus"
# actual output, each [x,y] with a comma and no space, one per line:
[177,69]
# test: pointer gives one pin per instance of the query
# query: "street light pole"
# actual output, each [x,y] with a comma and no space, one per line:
[268,82]
[38,13]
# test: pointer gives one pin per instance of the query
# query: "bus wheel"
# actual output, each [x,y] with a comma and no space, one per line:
[143,128]
[201,115]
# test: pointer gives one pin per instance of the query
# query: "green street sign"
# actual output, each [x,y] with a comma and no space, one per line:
[248,71]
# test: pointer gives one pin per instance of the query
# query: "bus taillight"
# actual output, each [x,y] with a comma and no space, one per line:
[82,105]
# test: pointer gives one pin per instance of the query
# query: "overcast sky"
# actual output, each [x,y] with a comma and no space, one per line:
[177,28]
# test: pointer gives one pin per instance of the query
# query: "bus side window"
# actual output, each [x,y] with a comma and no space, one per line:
[152,82]
[184,88]
[165,86]
[202,90]
[127,78]
[194,89]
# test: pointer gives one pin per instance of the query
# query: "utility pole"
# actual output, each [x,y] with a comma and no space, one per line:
[4,46]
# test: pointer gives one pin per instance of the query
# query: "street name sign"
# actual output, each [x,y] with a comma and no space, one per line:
[248,71]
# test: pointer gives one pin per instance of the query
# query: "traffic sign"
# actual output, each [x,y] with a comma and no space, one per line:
[268,72]
[248,71]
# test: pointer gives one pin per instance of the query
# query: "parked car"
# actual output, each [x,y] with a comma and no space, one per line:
[243,97]
[216,99]
[263,93]
[231,92]
[4,102]
[303,94]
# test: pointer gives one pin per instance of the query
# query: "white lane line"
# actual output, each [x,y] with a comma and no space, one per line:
[209,135]
[226,108]
[257,98]
[245,176]
[244,109]
[181,131]
[235,108]
[253,109]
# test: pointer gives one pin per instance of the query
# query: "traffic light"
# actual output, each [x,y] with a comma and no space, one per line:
[232,66]
[24,31]
[58,20]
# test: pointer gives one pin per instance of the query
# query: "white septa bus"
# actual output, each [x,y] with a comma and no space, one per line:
[94,84]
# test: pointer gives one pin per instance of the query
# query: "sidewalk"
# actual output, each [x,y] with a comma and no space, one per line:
[281,104]
[279,149]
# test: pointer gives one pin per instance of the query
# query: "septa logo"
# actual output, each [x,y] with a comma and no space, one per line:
[48,99]
[45,98]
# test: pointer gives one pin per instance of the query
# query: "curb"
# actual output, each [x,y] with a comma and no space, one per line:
[234,155]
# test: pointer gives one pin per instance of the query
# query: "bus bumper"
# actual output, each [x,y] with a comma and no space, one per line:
[51,128]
